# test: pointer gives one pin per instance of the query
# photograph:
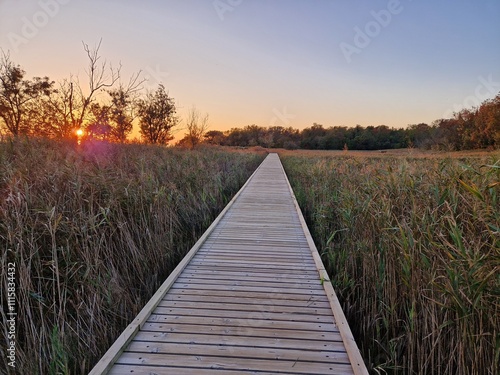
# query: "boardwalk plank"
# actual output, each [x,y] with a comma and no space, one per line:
[227,312]
[246,301]
[247,341]
[240,282]
[276,271]
[252,320]
[244,289]
[311,310]
[256,276]
[276,267]
[292,366]
[230,350]
[161,370]
[242,329]
[305,298]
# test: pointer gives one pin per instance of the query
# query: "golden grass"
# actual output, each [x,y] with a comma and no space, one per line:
[403,152]
[412,243]
[93,231]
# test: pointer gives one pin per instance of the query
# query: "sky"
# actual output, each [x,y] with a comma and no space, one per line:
[275,62]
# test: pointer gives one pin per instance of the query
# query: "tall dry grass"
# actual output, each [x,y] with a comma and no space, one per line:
[93,232]
[413,249]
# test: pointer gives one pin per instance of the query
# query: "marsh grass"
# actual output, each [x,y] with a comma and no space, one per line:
[413,250]
[93,231]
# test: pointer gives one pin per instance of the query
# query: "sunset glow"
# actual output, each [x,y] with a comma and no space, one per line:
[271,62]
[362,133]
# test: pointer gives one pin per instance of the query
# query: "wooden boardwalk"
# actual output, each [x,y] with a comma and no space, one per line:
[251,297]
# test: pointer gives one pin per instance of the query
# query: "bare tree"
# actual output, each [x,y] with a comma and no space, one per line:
[100,77]
[56,114]
[196,126]
[72,105]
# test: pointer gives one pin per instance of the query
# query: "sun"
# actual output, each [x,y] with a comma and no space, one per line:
[79,135]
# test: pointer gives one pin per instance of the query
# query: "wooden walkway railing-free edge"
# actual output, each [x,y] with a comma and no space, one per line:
[357,362]
[114,352]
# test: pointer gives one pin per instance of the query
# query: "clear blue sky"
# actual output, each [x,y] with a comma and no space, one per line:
[276,62]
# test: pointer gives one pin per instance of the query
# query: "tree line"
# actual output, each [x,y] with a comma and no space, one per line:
[474,128]
[106,107]
[315,137]
[103,108]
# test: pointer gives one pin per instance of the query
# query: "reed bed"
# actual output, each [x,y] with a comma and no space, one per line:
[413,249]
[93,230]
